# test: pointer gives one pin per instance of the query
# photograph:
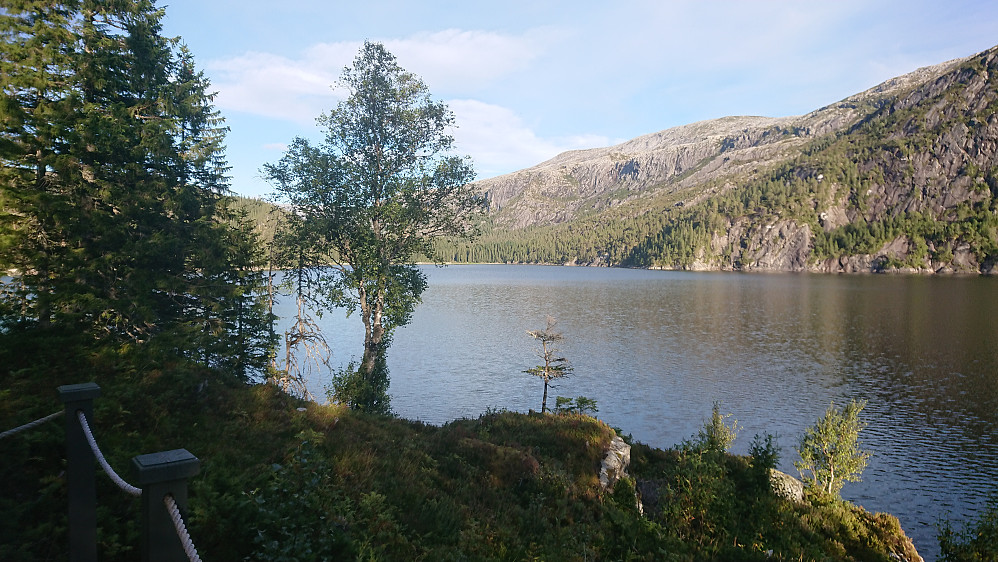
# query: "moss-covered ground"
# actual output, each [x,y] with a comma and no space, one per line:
[282,479]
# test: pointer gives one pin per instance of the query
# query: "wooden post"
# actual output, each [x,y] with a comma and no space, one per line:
[81,472]
[159,475]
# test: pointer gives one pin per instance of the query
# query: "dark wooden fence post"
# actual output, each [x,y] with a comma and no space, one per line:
[159,475]
[81,472]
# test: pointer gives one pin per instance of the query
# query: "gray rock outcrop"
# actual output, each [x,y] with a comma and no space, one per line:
[675,159]
[786,486]
[816,192]
[615,463]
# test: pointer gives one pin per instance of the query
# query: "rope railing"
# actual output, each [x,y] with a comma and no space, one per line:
[169,501]
[178,524]
[162,477]
[125,486]
[31,425]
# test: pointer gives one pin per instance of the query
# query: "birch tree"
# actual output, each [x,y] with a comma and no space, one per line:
[382,185]
[829,450]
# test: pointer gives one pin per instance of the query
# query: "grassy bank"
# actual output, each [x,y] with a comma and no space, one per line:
[285,480]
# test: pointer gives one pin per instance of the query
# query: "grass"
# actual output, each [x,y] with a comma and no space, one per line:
[323,482]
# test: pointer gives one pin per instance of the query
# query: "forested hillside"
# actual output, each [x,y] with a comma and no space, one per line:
[901,177]
[259,213]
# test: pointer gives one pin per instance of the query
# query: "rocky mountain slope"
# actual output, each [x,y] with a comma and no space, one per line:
[902,176]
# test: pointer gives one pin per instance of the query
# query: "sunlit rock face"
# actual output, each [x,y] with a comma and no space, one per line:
[615,463]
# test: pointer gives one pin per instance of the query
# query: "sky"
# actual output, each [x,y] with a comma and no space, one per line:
[527,80]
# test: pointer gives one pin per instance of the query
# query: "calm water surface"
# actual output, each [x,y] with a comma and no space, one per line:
[656,349]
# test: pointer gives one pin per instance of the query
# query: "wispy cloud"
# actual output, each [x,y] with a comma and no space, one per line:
[529,79]
[501,141]
[272,86]
[454,63]
[300,88]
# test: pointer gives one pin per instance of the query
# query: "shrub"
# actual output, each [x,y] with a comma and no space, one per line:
[829,449]
[366,392]
[765,454]
[580,405]
[299,513]
[977,541]
[716,434]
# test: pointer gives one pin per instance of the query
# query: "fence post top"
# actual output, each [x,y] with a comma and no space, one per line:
[177,464]
[77,392]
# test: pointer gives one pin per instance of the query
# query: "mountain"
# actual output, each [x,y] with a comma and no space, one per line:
[903,176]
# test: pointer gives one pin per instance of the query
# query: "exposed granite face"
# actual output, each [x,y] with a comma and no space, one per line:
[786,486]
[781,246]
[582,181]
[674,159]
[615,463]
[935,152]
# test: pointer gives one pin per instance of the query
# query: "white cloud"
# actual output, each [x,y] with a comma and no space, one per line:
[299,89]
[501,142]
[272,86]
[454,60]
[529,79]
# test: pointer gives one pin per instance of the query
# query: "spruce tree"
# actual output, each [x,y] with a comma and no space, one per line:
[113,222]
[554,367]
[38,110]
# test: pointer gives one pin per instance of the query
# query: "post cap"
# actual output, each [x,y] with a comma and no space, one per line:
[177,464]
[77,392]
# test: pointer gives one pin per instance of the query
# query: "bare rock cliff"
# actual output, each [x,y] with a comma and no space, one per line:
[672,160]
[901,177]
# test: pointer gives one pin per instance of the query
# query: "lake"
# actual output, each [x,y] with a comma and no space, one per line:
[656,349]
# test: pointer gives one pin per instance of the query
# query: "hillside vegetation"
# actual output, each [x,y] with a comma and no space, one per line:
[260,213]
[283,479]
[901,177]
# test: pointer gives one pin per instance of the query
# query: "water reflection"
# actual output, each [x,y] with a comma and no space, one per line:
[656,349]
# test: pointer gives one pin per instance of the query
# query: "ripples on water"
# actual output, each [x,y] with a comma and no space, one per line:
[656,349]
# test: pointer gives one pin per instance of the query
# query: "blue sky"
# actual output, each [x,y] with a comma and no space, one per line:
[527,80]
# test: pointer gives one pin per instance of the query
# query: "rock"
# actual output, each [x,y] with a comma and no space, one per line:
[581,181]
[615,463]
[786,486]
[614,467]
[671,161]
[944,169]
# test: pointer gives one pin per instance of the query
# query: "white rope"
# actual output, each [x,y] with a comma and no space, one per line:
[30,425]
[171,504]
[178,523]
[125,486]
